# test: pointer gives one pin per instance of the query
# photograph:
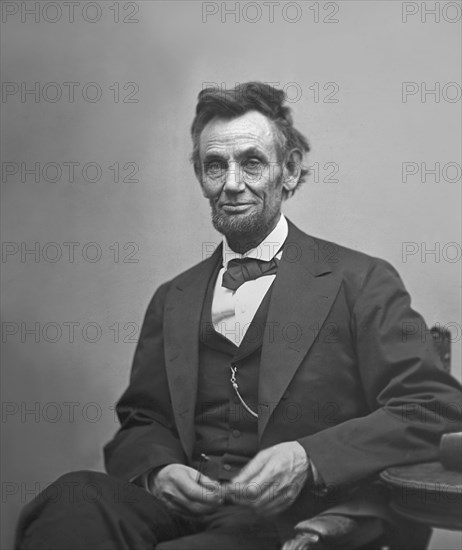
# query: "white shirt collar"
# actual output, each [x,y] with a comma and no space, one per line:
[266,250]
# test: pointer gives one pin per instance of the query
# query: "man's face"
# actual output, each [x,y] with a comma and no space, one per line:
[242,175]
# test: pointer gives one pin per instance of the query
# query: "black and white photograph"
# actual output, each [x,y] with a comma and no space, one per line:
[231,275]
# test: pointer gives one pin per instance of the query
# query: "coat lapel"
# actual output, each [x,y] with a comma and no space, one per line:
[303,293]
[183,309]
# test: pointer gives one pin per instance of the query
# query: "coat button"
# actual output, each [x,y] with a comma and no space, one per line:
[236,433]
[227,467]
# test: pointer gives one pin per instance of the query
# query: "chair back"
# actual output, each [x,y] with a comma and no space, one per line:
[442,340]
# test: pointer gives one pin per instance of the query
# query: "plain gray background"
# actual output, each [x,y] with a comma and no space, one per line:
[59,389]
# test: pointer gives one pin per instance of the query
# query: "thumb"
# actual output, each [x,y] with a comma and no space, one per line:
[204,480]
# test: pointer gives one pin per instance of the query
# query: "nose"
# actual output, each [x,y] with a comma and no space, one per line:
[233,180]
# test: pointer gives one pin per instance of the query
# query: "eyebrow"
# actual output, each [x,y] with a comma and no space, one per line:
[248,152]
[210,157]
[253,152]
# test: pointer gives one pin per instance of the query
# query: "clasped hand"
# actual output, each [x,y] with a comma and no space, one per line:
[269,484]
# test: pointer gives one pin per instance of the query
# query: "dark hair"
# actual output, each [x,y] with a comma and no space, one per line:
[249,96]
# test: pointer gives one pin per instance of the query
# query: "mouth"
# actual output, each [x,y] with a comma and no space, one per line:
[237,207]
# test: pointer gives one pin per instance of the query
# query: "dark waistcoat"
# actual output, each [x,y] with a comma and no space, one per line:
[225,431]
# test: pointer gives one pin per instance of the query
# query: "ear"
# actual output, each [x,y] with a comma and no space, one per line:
[292,170]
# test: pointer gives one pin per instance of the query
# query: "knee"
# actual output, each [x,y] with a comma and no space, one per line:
[76,487]
[82,477]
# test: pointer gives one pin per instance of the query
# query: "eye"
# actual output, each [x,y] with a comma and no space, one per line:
[252,166]
[214,168]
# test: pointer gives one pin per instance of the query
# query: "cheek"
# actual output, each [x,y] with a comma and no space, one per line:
[269,182]
[210,188]
[268,191]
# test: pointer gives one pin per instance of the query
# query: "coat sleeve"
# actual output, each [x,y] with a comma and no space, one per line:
[147,437]
[411,400]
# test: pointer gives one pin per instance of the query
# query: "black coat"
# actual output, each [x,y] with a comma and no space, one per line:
[347,369]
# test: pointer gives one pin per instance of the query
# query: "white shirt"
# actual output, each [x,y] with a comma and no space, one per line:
[233,310]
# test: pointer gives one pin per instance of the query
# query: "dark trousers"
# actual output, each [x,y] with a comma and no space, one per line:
[94,511]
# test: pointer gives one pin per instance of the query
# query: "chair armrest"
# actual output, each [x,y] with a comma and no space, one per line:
[328,531]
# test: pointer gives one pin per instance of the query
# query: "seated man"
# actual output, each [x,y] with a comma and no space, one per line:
[271,383]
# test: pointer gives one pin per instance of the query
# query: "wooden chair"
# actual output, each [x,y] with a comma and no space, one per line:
[342,532]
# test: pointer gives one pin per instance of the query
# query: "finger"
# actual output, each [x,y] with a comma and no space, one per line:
[275,471]
[303,542]
[181,505]
[294,544]
[265,481]
[201,479]
[273,501]
[250,494]
[276,489]
[209,492]
[267,469]
[251,469]
[206,481]
[289,545]
[207,495]
[267,484]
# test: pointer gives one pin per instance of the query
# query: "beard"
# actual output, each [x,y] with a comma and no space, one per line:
[244,232]
[236,225]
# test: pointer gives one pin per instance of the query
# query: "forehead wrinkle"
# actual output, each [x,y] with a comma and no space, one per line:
[237,143]
[226,136]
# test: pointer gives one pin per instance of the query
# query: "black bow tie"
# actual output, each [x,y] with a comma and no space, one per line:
[247,269]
